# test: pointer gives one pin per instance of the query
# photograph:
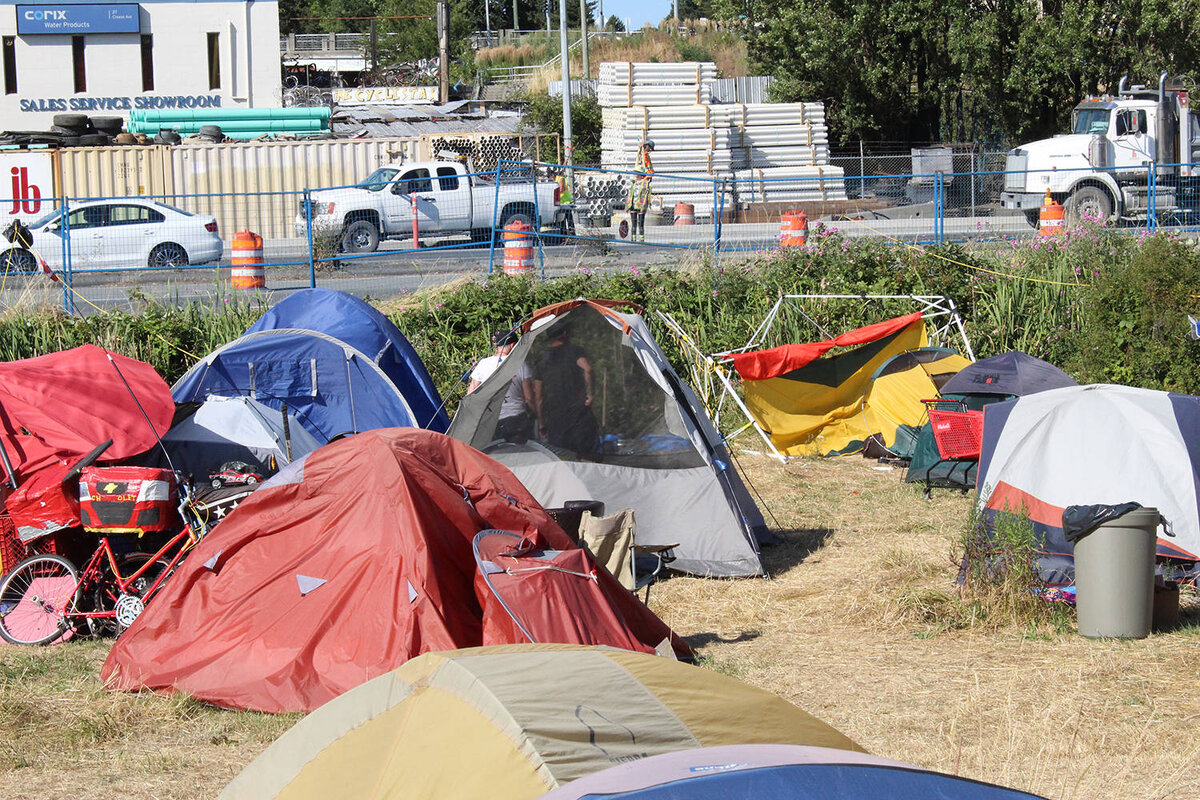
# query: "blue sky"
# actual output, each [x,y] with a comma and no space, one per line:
[637,11]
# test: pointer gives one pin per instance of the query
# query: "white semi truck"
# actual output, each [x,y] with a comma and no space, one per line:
[1103,168]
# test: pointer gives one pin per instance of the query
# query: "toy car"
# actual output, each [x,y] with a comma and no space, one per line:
[235,473]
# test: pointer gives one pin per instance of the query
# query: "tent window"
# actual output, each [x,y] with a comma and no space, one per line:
[632,421]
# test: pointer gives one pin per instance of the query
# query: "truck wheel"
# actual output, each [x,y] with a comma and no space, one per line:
[360,236]
[1091,203]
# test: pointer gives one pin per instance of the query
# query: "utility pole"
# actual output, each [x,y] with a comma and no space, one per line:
[583,26]
[374,39]
[546,7]
[443,34]
[487,20]
[568,147]
[516,25]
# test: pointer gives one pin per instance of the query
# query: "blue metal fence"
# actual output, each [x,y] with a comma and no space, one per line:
[404,229]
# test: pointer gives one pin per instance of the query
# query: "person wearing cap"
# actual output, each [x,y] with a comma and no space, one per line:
[639,192]
[516,420]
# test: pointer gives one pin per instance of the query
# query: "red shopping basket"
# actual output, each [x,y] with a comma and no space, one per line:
[958,434]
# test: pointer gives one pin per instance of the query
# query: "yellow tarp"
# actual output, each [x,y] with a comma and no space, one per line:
[817,410]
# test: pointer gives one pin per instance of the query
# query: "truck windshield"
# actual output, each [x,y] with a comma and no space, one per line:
[1090,121]
[379,179]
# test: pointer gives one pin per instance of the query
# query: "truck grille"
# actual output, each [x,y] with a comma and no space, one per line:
[1014,167]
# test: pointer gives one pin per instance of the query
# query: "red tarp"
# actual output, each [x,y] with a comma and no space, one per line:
[69,402]
[341,568]
[758,365]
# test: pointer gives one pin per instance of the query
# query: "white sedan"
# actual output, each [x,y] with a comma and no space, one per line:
[119,234]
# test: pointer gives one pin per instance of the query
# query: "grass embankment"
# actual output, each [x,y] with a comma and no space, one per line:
[724,48]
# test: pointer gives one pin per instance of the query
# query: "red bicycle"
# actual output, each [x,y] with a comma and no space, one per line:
[45,599]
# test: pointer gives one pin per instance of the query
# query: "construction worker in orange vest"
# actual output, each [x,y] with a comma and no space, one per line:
[639,192]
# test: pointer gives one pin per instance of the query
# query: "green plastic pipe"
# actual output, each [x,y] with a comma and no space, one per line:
[214,115]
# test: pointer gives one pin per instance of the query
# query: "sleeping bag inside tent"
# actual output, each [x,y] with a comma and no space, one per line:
[813,404]
[354,559]
[1093,445]
[336,363]
[625,430]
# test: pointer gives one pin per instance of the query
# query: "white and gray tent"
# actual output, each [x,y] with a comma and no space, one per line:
[225,429]
[647,443]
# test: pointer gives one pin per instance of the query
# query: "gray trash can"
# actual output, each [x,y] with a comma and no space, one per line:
[1114,576]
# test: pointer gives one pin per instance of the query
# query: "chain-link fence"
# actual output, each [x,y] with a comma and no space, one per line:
[422,224]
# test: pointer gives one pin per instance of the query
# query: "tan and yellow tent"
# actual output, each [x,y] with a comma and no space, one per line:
[515,721]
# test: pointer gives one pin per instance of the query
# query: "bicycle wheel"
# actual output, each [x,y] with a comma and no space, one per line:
[34,598]
[126,606]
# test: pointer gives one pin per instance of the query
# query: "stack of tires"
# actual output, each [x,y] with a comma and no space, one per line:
[82,130]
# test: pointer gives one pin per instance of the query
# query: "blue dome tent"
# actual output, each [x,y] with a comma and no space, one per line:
[337,363]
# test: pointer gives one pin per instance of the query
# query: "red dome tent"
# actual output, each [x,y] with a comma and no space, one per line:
[348,563]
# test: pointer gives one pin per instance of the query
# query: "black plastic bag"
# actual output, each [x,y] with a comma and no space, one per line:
[1079,521]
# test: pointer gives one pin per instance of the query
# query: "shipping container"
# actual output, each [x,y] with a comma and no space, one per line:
[259,185]
[91,173]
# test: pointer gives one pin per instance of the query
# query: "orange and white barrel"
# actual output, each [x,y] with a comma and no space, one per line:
[1051,217]
[247,271]
[518,247]
[793,229]
[685,214]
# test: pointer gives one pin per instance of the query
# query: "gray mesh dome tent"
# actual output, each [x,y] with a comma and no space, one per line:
[628,432]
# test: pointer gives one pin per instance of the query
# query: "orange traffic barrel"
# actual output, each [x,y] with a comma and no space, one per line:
[518,247]
[1050,217]
[793,229]
[685,214]
[247,271]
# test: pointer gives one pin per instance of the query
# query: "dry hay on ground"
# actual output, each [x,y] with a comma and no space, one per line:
[857,626]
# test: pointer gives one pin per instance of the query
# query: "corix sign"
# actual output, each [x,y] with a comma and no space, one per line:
[119,103]
[77,19]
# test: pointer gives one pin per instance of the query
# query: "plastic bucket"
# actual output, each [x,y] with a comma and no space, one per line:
[1114,576]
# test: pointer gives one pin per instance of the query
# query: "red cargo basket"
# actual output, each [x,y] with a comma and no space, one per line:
[128,500]
[958,434]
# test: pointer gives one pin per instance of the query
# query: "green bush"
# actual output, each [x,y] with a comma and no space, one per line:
[1104,306]
[1133,325]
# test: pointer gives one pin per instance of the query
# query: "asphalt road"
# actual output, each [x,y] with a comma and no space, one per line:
[398,269]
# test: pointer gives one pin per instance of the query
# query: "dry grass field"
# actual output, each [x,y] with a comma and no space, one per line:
[860,624]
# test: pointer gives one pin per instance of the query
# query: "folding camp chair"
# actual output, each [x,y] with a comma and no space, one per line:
[610,541]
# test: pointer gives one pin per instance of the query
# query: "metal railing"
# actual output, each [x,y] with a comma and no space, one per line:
[408,230]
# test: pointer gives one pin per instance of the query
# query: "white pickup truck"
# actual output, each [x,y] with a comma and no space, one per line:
[448,199]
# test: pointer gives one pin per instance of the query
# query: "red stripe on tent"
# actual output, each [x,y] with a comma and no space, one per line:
[1006,497]
[1009,498]
[759,365]
[1170,550]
